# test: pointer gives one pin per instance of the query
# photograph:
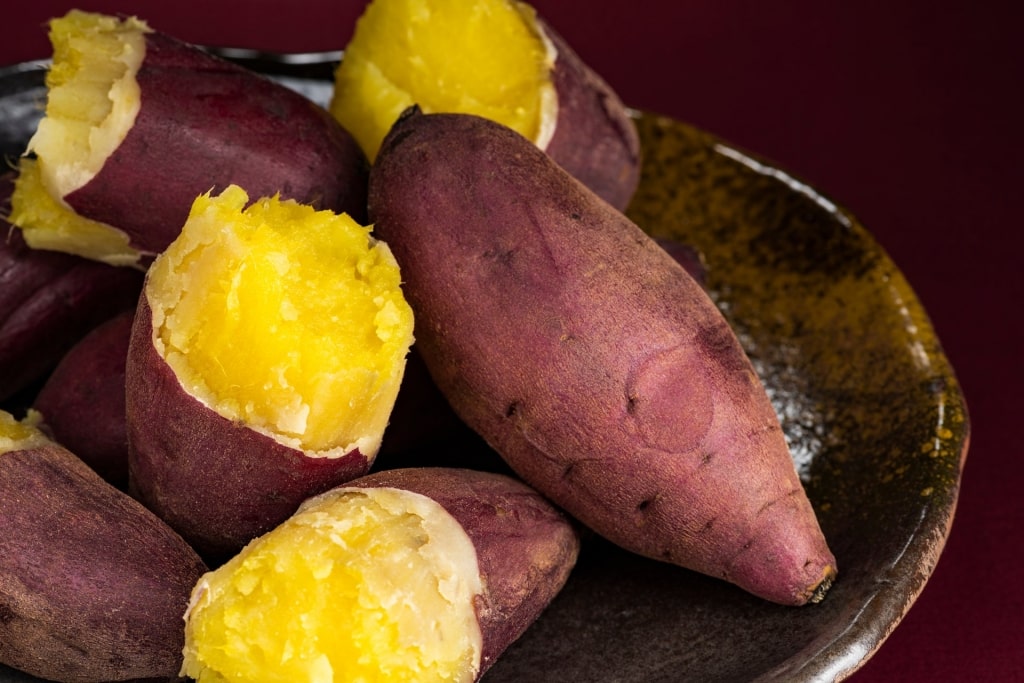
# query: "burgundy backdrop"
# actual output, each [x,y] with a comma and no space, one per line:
[908,113]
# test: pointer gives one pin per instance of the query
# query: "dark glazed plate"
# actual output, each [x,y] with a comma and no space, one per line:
[870,405]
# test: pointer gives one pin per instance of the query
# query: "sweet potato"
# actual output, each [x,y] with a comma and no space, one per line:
[266,354]
[48,302]
[81,404]
[139,123]
[93,587]
[423,574]
[442,55]
[589,359]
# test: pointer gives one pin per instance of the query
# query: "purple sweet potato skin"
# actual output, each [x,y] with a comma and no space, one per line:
[205,123]
[48,302]
[595,139]
[589,359]
[82,401]
[93,587]
[526,548]
[217,482]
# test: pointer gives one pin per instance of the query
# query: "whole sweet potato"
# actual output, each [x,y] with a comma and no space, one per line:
[443,56]
[265,358]
[589,359]
[82,405]
[93,587]
[138,124]
[48,302]
[424,574]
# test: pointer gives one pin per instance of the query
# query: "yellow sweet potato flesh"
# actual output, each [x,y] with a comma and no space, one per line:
[92,102]
[93,97]
[288,319]
[359,585]
[17,436]
[483,57]
[47,223]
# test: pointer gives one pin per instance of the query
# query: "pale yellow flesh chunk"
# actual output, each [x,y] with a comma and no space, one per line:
[93,97]
[288,319]
[483,57]
[20,435]
[369,585]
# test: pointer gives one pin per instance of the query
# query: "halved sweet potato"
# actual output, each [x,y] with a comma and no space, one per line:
[138,124]
[589,359]
[423,574]
[93,586]
[48,302]
[492,58]
[266,354]
[81,404]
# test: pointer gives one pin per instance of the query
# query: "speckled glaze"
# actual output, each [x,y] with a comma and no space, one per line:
[871,407]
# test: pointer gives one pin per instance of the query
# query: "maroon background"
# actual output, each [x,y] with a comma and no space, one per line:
[905,112]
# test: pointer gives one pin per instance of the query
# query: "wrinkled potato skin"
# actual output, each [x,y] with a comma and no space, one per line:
[93,587]
[589,359]
[205,123]
[525,547]
[82,401]
[216,482]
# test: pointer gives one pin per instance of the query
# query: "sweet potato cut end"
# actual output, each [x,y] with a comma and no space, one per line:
[402,54]
[287,319]
[20,435]
[93,97]
[384,581]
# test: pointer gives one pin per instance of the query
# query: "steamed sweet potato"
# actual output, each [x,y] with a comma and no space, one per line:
[93,586]
[265,358]
[492,58]
[81,404]
[138,124]
[423,574]
[589,359]
[48,302]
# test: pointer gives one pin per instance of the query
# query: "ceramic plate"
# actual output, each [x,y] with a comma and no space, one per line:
[871,407]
